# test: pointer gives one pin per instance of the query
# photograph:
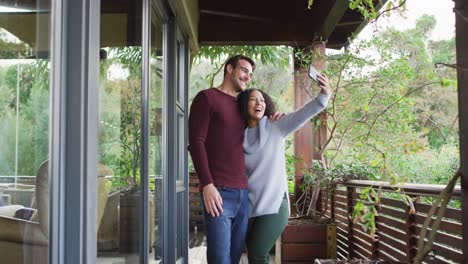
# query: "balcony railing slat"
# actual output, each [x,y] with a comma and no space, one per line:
[449,212]
[339,193]
[341,199]
[340,211]
[342,246]
[389,240]
[389,253]
[385,256]
[341,206]
[393,202]
[398,234]
[341,254]
[366,241]
[444,238]
[361,252]
[449,227]
[392,222]
[442,260]
[341,220]
[397,228]
[409,188]
[393,213]
[448,253]
[360,255]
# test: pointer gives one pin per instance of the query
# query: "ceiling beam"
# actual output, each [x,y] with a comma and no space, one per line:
[334,16]
[235,15]
[217,30]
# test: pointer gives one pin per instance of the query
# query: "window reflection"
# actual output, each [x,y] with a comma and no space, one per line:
[120,132]
[24,131]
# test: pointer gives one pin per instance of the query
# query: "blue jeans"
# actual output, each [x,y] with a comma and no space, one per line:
[225,234]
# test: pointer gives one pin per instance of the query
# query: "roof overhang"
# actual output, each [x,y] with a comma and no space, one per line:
[277,22]
[211,22]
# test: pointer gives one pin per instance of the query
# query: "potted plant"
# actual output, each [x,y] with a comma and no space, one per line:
[311,230]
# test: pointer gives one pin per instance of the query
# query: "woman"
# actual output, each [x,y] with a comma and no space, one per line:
[264,145]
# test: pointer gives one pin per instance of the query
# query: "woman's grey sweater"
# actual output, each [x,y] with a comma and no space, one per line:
[264,150]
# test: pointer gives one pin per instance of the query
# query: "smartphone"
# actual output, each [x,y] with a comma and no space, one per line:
[313,74]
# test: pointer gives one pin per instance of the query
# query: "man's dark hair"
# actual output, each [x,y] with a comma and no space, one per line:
[235,59]
[243,103]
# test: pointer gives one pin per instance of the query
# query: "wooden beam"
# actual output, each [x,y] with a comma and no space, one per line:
[236,15]
[461,27]
[218,30]
[303,139]
[268,9]
[306,141]
[333,18]
[320,132]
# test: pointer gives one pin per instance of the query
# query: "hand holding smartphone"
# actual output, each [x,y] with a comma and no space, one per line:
[313,73]
[322,82]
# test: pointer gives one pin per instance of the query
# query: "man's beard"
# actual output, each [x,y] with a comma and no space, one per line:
[237,86]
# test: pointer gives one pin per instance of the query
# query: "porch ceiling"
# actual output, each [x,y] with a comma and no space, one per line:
[277,22]
[212,22]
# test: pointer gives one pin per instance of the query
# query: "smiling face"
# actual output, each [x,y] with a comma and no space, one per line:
[256,106]
[241,75]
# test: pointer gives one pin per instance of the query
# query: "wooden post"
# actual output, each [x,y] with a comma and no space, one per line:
[306,142]
[302,137]
[411,244]
[461,25]
[320,132]
[376,239]
[349,200]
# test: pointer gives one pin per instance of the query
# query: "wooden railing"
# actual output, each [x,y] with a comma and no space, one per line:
[397,228]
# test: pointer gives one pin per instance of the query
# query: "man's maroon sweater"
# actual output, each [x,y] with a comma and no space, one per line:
[216,133]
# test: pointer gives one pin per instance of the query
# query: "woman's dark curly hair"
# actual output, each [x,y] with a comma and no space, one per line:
[243,103]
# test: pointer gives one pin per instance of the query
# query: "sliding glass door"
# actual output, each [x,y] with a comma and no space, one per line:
[24,131]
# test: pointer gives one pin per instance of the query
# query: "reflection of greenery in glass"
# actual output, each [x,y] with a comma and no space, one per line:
[120,115]
[156,89]
[33,116]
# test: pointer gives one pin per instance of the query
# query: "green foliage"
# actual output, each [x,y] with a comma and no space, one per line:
[392,111]
[31,79]
[391,104]
[365,209]
[368,10]
[217,56]
[365,7]
[328,178]
[290,160]
[124,125]
[274,55]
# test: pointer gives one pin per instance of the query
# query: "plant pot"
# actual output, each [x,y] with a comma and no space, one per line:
[130,213]
[303,243]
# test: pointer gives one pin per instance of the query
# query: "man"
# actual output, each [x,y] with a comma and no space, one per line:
[216,132]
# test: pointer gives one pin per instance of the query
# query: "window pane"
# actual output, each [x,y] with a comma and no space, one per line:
[156,154]
[120,131]
[24,131]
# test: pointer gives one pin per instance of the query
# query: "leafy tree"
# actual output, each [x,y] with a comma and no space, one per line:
[31,79]
[217,55]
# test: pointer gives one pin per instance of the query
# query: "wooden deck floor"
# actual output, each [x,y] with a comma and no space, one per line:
[196,254]
[197,250]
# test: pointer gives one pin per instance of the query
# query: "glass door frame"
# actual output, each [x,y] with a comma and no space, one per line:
[73,147]
[74,82]
[174,148]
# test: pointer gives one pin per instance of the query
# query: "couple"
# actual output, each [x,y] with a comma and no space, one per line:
[239,158]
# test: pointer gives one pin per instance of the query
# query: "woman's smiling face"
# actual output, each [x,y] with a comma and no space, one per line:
[256,106]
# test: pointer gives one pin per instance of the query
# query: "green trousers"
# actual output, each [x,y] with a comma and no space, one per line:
[262,233]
